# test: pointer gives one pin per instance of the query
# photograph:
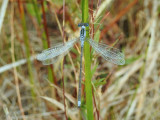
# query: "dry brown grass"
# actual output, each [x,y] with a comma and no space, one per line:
[131,92]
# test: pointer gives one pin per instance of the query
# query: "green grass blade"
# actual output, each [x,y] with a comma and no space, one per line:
[44,38]
[88,86]
[26,42]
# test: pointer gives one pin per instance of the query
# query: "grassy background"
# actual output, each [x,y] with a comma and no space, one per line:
[32,91]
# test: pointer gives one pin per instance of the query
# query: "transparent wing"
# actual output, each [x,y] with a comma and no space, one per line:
[53,60]
[110,54]
[51,55]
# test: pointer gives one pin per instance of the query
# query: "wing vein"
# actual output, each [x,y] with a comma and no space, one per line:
[56,51]
[110,54]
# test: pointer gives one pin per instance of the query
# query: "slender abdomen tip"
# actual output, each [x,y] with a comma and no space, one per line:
[79,103]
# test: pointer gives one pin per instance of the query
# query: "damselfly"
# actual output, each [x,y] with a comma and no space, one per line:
[110,54]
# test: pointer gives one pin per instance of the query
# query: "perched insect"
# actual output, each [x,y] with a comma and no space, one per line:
[110,54]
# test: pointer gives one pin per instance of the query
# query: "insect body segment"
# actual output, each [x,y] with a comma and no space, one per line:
[82,35]
[83,24]
[83,32]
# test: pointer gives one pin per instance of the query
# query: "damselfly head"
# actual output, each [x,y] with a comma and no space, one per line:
[83,24]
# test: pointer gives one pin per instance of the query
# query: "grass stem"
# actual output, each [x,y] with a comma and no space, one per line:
[26,42]
[88,85]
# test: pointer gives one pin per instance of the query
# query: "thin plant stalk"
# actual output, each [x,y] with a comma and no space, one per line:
[92,36]
[52,77]
[63,61]
[26,42]
[13,60]
[2,12]
[34,2]
[88,85]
